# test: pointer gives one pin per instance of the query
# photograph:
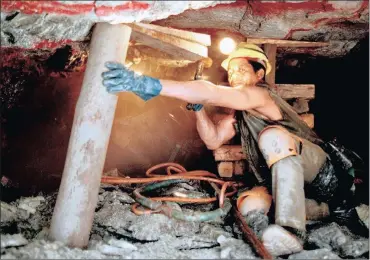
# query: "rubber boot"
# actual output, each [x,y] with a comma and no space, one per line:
[288,193]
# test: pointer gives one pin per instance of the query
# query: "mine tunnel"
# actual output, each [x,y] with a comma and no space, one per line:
[53,98]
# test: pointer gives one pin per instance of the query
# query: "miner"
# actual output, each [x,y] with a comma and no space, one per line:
[283,153]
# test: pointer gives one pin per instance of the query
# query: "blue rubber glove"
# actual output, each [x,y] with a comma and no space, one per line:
[194,107]
[118,79]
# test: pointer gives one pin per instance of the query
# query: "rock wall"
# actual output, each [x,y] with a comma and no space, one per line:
[49,24]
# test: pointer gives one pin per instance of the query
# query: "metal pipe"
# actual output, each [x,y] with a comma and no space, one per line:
[78,193]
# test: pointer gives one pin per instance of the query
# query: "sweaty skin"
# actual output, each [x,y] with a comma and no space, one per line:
[243,95]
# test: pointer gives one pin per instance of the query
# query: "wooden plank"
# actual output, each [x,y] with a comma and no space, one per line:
[200,38]
[301,106]
[270,51]
[225,169]
[173,45]
[309,119]
[229,153]
[286,43]
[239,167]
[289,91]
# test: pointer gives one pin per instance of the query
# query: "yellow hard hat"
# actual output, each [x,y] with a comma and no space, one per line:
[248,50]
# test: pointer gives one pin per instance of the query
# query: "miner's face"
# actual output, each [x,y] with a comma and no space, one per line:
[241,73]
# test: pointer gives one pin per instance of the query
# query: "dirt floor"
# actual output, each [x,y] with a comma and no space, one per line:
[118,233]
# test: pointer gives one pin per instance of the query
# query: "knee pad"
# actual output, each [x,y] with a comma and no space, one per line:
[276,143]
[257,198]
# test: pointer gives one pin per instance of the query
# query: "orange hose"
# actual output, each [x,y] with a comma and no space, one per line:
[195,200]
[178,167]
[185,200]
[118,180]
[143,211]
[181,173]
[108,179]
[222,193]
[169,168]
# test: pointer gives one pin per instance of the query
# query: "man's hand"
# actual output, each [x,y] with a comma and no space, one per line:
[194,107]
[119,79]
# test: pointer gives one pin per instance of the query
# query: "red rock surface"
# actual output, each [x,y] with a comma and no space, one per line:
[342,23]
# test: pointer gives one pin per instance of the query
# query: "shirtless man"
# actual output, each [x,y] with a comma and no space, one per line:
[281,149]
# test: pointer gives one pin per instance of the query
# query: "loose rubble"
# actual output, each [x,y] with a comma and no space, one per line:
[363,213]
[12,240]
[118,233]
[340,240]
[315,254]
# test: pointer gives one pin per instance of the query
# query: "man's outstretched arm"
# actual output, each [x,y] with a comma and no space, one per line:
[119,79]
[205,92]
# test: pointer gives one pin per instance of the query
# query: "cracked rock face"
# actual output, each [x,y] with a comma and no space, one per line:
[340,240]
[8,214]
[13,240]
[315,254]
[32,31]
[341,23]
[30,215]
[232,248]
[48,25]
[152,227]
[41,249]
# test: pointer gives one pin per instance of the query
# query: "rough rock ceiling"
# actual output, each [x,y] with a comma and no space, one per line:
[51,24]
[46,24]
[341,23]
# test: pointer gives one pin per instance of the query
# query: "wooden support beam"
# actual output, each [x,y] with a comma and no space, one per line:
[289,91]
[225,169]
[309,119]
[286,43]
[200,38]
[270,51]
[239,167]
[229,153]
[94,113]
[228,169]
[301,105]
[168,43]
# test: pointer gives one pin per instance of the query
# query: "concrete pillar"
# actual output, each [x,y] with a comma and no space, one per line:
[78,193]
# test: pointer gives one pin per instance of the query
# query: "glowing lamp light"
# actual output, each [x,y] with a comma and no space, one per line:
[227,45]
